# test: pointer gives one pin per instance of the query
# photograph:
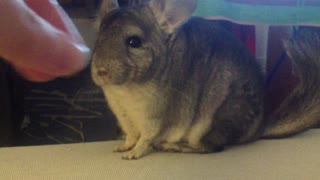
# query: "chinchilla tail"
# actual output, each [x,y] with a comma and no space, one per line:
[300,111]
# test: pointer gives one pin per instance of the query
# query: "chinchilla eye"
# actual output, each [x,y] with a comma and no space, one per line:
[134,41]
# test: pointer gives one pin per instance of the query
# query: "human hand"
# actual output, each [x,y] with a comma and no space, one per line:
[39,39]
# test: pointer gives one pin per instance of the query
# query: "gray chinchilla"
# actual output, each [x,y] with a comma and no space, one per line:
[183,84]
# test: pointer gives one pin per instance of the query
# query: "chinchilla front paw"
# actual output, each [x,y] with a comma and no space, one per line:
[133,154]
[137,152]
[123,147]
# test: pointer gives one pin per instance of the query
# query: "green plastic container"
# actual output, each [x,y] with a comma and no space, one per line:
[272,12]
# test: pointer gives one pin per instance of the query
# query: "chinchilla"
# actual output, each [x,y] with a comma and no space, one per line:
[184,84]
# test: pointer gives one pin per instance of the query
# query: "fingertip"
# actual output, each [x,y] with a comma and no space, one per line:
[75,60]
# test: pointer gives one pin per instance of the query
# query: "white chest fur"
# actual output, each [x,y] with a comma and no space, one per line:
[133,102]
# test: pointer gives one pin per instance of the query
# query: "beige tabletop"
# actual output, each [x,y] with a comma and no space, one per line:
[292,158]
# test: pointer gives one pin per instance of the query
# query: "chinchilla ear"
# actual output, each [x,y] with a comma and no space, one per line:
[170,14]
[106,6]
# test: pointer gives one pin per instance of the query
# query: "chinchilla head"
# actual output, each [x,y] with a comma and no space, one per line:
[132,44]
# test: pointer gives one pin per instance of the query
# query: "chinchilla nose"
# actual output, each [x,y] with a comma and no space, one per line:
[101,71]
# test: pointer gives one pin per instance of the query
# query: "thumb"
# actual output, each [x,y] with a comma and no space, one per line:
[47,45]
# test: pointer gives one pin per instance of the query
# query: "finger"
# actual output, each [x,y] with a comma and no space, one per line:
[29,41]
